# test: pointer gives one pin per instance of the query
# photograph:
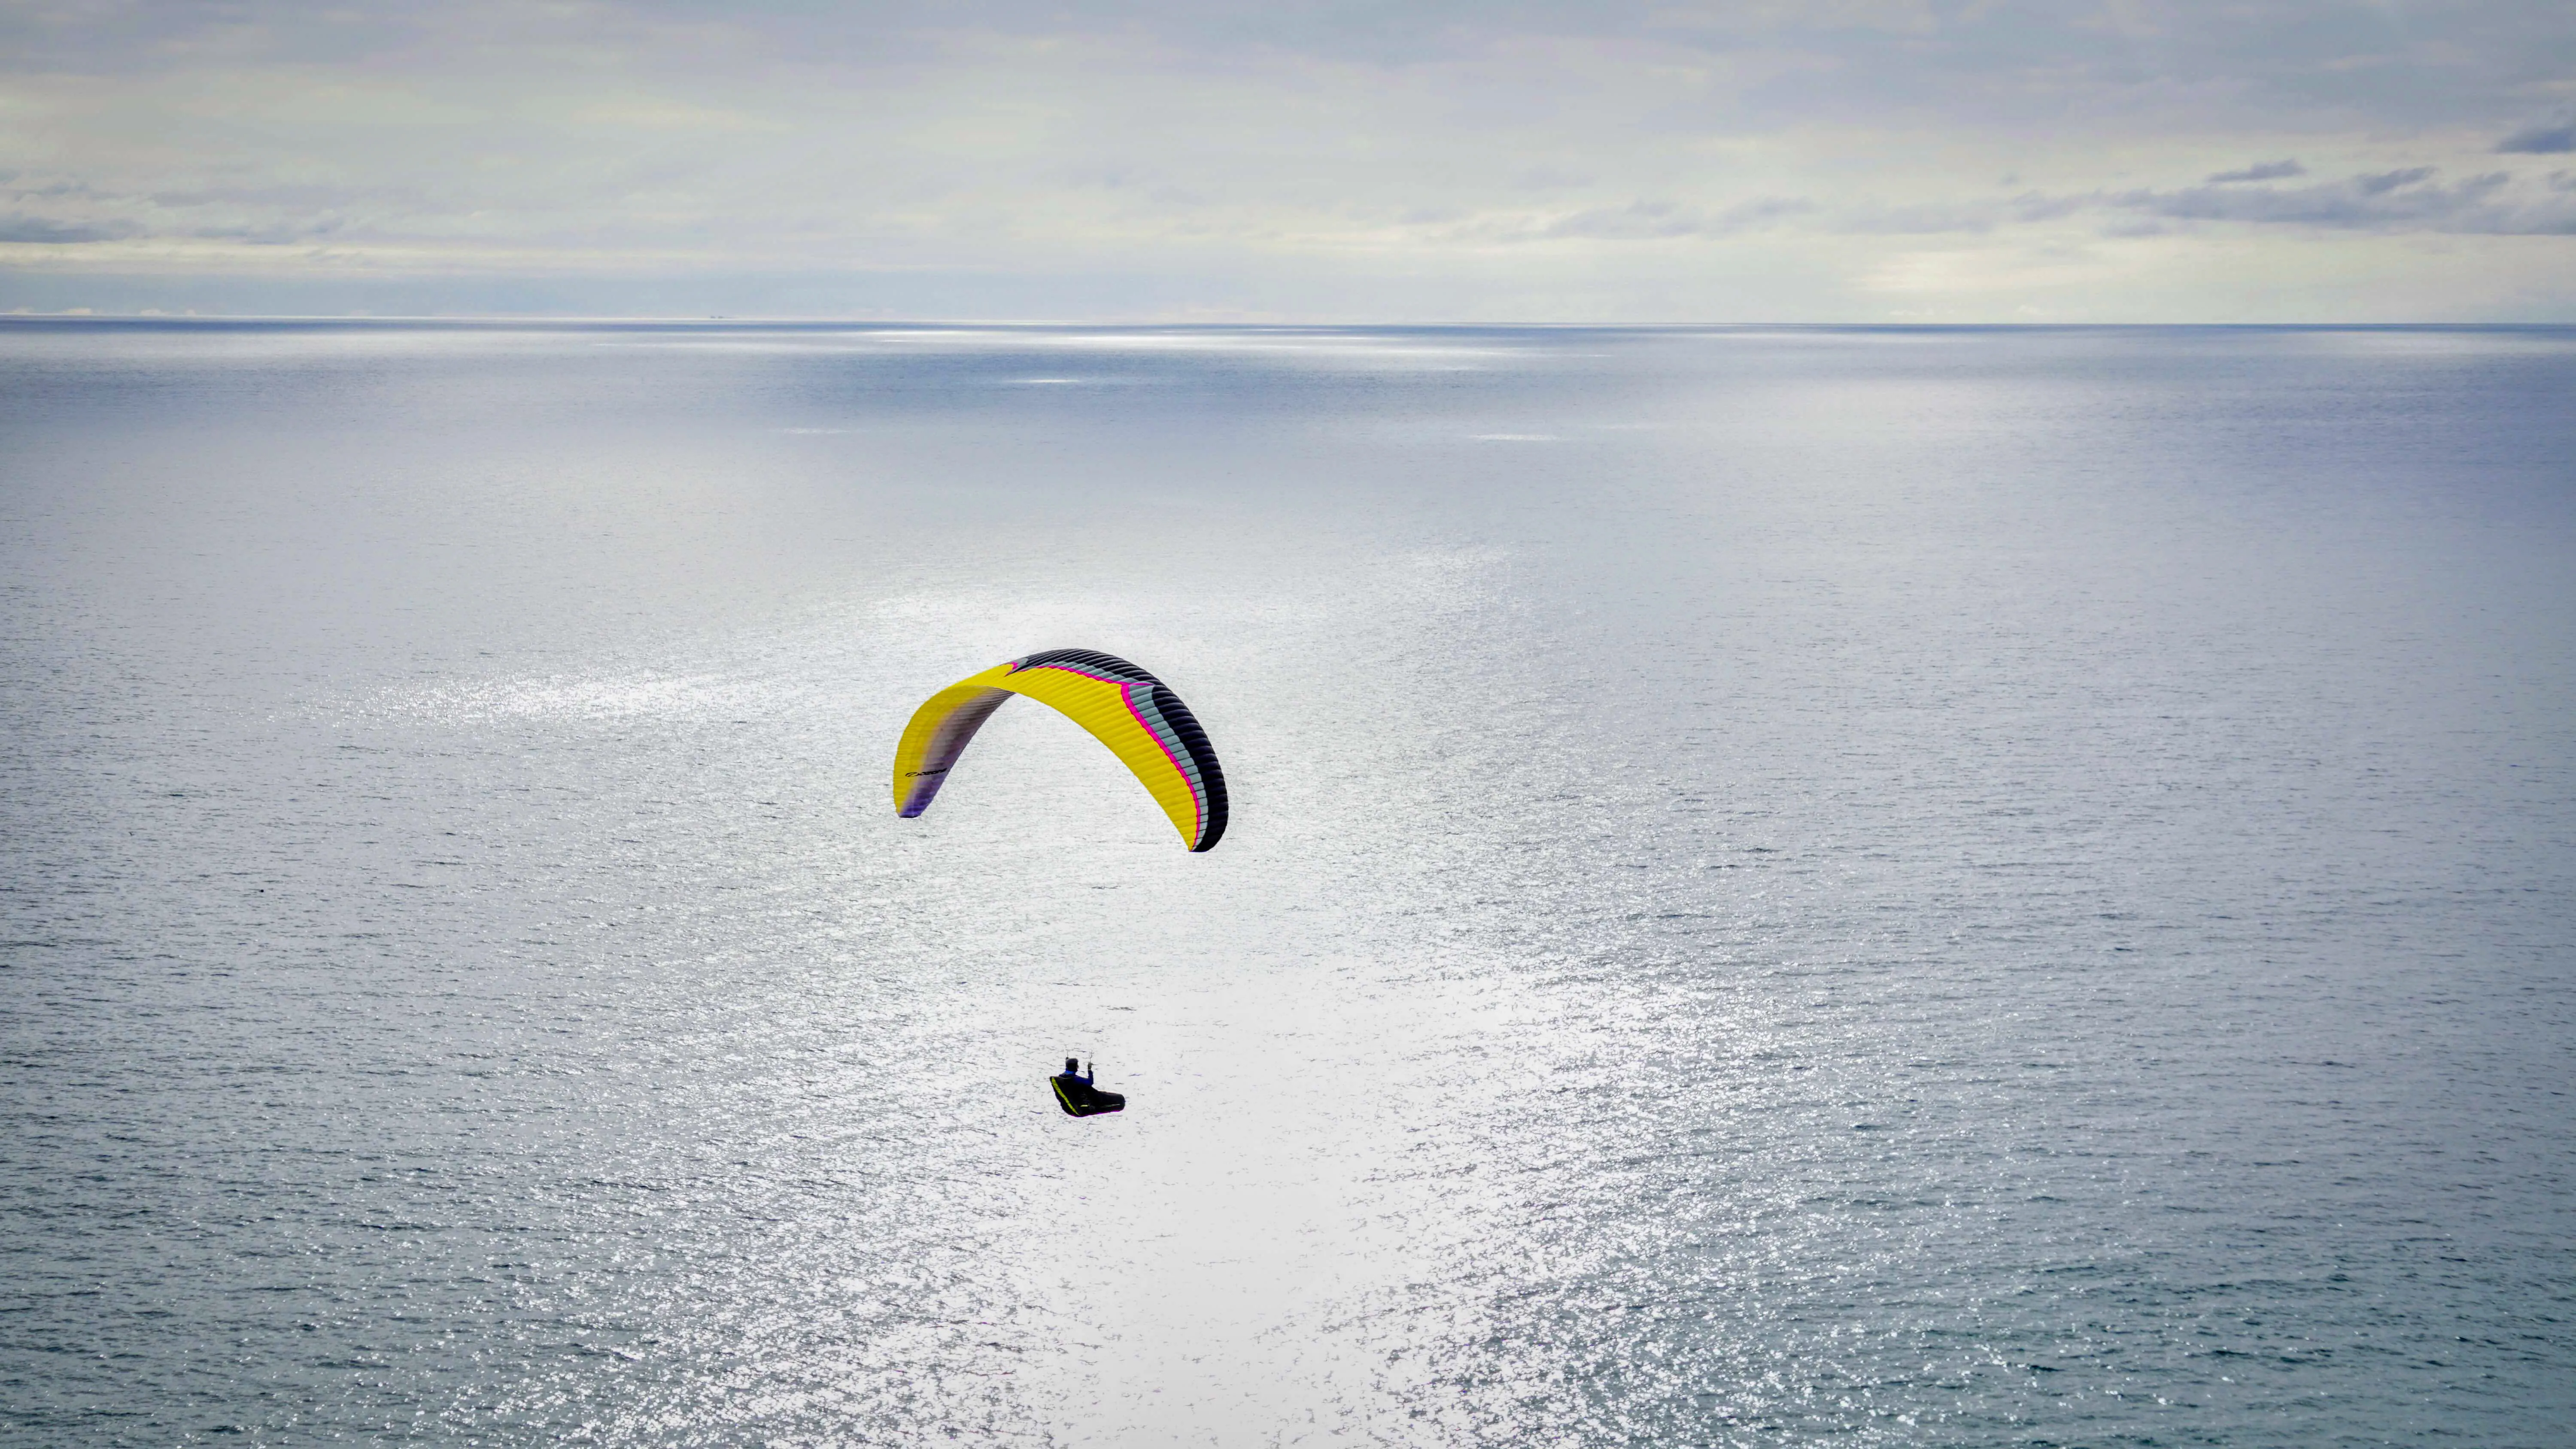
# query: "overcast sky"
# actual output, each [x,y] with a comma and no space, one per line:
[1831,160]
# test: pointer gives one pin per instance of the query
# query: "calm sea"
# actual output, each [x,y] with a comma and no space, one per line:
[1912,887]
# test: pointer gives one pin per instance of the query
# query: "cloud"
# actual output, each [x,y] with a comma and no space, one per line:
[1663,220]
[2261,171]
[1698,157]
[2541,138]
[2388,181]
[1929,218]
[2392,201]
[1637,221]
[1643,220]
[39,230]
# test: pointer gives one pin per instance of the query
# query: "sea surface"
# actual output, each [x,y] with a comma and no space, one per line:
[1902,887]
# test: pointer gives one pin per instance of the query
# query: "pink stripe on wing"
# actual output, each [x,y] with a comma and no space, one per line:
[1198,807]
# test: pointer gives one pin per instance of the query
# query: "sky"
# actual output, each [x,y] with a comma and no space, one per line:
[1441,161]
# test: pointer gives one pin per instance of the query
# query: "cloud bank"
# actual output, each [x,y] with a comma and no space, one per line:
[2541,138]
[1430,161]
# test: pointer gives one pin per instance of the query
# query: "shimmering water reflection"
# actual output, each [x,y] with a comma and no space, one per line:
[1922,887]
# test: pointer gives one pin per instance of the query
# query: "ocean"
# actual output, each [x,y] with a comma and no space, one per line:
[1909,886]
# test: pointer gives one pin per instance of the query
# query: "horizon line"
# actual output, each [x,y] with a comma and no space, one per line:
[496,319]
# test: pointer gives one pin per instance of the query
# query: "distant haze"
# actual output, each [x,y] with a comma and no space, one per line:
[1426,162]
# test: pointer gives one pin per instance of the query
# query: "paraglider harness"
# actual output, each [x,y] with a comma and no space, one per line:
[1075,1094]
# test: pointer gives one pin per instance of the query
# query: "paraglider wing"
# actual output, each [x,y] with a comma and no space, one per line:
[938,734]
[1141,721]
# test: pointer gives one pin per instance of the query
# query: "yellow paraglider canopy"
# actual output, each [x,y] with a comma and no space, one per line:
[1141,721]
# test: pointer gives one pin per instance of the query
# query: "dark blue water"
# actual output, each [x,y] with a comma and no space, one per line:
[1916,887]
